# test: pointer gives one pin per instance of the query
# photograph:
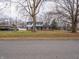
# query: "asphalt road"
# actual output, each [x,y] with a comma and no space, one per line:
[39,49]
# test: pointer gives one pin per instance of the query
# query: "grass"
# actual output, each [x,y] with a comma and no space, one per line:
[38,34]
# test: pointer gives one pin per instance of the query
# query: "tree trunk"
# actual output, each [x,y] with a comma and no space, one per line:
[34,23]
[74,27]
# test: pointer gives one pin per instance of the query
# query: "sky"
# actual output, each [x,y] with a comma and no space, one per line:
[11,11]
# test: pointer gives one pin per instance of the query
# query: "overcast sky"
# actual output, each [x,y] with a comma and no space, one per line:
[11,11]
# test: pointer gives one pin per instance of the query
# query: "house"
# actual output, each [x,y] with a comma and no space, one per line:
[39,25]
[5,25]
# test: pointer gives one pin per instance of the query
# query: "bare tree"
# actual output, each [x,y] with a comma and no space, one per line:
[70,10]
[32,7]
[48,16]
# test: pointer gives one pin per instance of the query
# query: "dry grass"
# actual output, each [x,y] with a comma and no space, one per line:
[38,34]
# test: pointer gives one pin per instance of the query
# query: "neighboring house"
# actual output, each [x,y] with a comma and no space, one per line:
[4,25]
[39,25]
[8,27]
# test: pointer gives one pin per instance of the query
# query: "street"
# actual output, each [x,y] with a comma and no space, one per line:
[39,49]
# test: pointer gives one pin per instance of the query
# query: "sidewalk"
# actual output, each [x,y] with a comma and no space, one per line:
[30,38]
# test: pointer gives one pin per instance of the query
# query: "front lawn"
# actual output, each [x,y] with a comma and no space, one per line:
[40,34]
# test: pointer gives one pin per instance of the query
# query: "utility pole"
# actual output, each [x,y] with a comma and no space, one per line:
[10,13]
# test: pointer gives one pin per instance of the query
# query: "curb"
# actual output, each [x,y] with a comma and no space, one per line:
[30,38]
